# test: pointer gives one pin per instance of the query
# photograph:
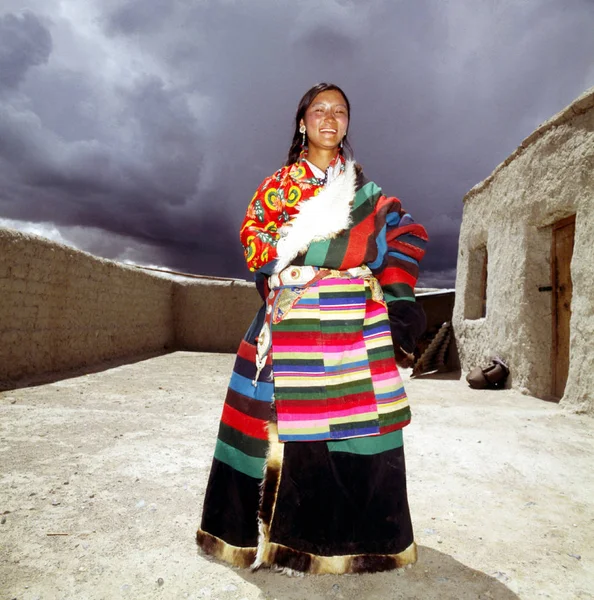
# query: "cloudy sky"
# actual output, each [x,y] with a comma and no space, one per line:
[138,130]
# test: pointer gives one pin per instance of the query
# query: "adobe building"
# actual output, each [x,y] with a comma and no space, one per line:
[525,278]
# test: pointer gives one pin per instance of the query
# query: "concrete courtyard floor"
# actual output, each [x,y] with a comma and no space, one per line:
[103,476]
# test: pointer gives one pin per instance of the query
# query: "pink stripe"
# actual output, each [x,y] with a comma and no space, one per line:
[378,336]
[387,377]
[342,306]
[347,371]
[393,399]
[339,350]
[300,375]
[332,281]
[312,418]
[286,348]
[358,352]
[312,374]
[355,410]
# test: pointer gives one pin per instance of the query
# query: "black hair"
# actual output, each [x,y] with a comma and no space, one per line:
[304,104]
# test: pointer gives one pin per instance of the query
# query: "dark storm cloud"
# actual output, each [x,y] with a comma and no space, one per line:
[140,129]
[139,16]
[24,42]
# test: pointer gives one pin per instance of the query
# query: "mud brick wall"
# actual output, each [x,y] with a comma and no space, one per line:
[213,316]
[61,308]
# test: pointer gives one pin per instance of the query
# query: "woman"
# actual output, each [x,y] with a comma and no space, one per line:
[308,472]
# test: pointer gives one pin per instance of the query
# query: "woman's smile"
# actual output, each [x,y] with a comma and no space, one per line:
[326,122]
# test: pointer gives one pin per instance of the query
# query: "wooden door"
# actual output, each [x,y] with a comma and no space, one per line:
[561,253]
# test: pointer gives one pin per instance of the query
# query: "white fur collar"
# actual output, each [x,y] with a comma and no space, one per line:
[319,218]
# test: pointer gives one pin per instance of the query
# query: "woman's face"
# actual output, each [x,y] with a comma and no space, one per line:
[326,120]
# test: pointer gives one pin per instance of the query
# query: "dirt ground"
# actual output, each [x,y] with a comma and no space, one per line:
[103,477]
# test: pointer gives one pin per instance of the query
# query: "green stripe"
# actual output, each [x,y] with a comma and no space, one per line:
[242,442]
[395,417]
[298,393]
[328,293]
[344,389]
[398,291]
[354,425]
[316,253]
[369,191]
[380,353]
[390,298]
[319,392]
[337,250]
[236,459]
[288,325]
[300,362]
[350,326]
[363,212]
[368,445]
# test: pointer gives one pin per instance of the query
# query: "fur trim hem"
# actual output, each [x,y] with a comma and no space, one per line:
[288,560]
[282,557]
[234,555]
[296,563]
[293,562]
[268,493]
[321,217]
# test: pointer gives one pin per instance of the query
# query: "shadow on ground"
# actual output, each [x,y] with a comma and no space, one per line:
[435,575]
[53,377]
[440,375]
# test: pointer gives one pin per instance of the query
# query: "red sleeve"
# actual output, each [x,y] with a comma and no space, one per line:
[264,215]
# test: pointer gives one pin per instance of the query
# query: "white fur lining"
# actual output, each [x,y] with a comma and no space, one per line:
[319,218]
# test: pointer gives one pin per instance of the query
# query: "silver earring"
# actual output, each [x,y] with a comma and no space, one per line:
[302,131]
[341,144]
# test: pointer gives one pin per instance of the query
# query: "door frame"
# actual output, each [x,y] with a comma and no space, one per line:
[554,349]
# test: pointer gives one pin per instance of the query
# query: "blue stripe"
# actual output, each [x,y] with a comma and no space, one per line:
[303,437]
[282,369]
[413,240]
[382,248]
[397,395]
[379,328]
[346,366]
[396,254]
[369,445]
[343,433]
[326,301]
[393,219]
[242,385]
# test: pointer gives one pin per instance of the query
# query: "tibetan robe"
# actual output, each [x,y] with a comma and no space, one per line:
[308,472]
